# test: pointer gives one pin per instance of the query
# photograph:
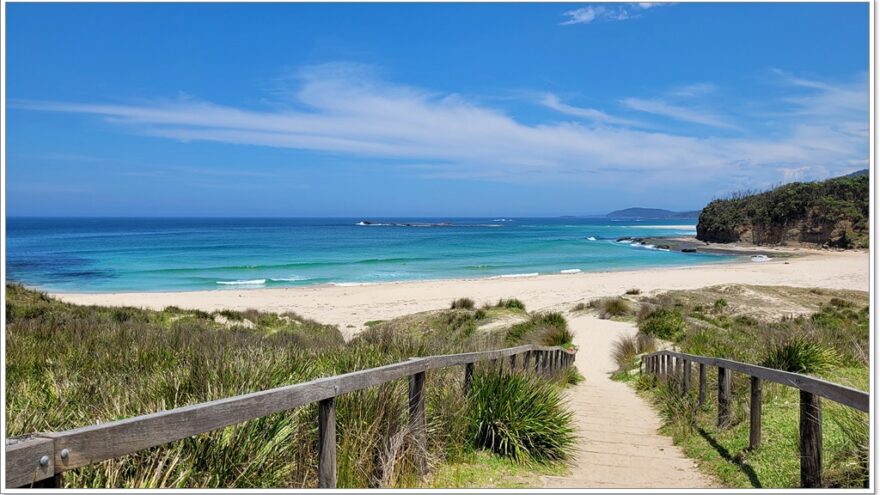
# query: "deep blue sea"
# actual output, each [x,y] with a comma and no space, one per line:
[151,254]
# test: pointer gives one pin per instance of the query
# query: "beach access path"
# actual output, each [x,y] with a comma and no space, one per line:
[619,445]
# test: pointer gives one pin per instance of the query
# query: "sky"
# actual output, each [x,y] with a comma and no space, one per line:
[425,109]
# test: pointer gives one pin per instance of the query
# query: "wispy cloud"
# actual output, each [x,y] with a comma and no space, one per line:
[346,110]
[605,12]
[553,102]
[677,112]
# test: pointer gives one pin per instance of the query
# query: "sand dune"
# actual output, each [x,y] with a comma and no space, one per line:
[350,307]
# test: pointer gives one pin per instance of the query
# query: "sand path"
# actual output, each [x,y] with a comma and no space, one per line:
[619,446]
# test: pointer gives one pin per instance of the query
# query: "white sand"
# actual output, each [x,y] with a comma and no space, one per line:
[350,307]
[618,445]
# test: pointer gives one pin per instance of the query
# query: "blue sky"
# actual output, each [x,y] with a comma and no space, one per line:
[425,110]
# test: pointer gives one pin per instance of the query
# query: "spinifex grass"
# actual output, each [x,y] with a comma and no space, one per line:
[831,343]
[69,366]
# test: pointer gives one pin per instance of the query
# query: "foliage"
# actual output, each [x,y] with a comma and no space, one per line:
[511,303]
[611,306]
[666,324]
[541,328]
[799,354]
[834,212]
[462,303]
[519,416]
[832,343]
[68,366]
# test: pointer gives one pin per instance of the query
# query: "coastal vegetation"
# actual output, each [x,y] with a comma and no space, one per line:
[814,331]
[69,366]
[832,213]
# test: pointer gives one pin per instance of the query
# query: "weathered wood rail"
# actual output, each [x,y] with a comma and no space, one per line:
[39,459]
[676,367]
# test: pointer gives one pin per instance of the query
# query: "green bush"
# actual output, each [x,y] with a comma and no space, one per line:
[519,416]
[510,304]
[541,328]
[801,355]
[611,306]
[462,303]
[633,292]
[666,324]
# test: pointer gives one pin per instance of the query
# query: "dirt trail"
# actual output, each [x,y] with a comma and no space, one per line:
[619,446]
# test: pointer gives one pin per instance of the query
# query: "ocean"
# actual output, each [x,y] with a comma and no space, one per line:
[181,254]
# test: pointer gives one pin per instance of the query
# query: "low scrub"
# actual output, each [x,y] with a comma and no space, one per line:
[69,366]
[627,347]
[519,416]
[666,324]
[801,355]
[542,329]
[512,303]
[611,306]
[462,303]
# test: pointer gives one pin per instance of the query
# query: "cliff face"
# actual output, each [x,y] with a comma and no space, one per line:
[829,213]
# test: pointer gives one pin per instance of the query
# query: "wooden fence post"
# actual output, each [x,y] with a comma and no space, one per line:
[526,358]
[755,404]
[512,362]
[417,420]
[468,377]
[723,397]
[327,443]
[702,385]
[686,385]
[811,440]
[539,356]
[545,361]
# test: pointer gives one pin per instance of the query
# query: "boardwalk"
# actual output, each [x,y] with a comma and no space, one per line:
[619,446]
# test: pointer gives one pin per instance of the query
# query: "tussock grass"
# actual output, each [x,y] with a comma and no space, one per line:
[609,307]
[462,303]
[512,303]
[68,366]
[627,347]
[519,416]
[831,343]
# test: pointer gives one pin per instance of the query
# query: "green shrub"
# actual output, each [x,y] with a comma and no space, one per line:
[510,304]
[581,306]
[666,324]
[541,328]
[519,416]
[801,355]
[611,306]
[719,304]
[462,303]
[624,351]
[633,292]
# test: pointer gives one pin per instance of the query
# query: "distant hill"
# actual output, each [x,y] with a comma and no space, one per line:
[858,173]
[830,213]
[652,213]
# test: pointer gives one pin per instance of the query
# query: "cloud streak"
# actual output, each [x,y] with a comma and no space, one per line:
[620,12]
[345,110]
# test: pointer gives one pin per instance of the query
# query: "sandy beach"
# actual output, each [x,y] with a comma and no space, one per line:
[350,307]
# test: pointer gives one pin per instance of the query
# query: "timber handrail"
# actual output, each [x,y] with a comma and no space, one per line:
[39,459]
[675,368]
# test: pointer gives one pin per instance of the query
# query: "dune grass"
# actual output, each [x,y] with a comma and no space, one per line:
[831,343]
[69,366]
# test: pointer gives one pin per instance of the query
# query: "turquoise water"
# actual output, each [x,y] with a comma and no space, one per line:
[107,254]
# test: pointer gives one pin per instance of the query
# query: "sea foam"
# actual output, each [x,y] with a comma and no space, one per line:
[259,281]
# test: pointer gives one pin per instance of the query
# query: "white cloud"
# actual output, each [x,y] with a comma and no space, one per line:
[606,12]
[347,111]
[552,101]
[677,112]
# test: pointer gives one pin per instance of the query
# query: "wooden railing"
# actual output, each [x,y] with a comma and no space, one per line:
[38,460]
[676,367]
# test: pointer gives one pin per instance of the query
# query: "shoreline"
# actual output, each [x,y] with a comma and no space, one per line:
[736,252]
[350,307]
